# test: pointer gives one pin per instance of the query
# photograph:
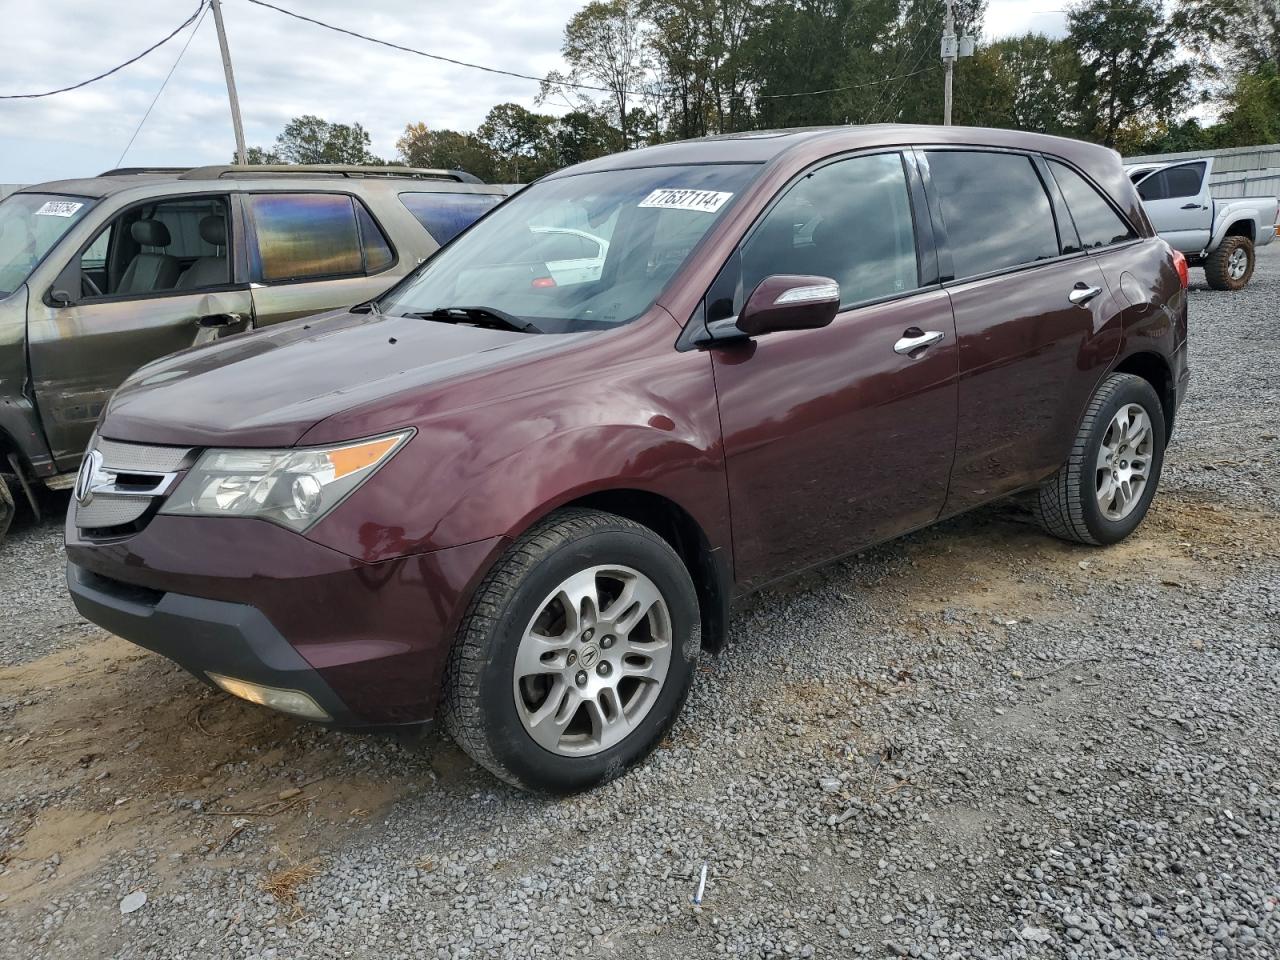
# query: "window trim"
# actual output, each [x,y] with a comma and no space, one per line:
[253,252]
[694,333]
[232,285]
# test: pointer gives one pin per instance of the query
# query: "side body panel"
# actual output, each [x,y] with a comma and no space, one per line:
[833,440]
[1029,361]
[20,427]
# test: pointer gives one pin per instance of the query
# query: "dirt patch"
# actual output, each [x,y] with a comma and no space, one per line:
[110,749]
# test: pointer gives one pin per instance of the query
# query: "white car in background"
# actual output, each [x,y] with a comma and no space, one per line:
[1219,235]
[572,256]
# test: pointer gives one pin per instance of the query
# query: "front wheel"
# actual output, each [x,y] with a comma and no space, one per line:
[1231,265]
[576,654]
[1106,486]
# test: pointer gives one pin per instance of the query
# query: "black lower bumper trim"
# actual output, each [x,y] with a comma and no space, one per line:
[203,636]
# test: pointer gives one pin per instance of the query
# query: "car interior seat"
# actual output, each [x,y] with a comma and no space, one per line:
[209,271]
[149,271]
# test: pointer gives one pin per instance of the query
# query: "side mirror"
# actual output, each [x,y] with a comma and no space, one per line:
[66,291]
[788,302]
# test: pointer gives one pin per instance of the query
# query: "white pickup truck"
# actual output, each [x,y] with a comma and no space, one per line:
[1220,235]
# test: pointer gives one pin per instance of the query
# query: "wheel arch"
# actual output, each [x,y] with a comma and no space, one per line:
[708,568]
[1156,371]
[1243,227]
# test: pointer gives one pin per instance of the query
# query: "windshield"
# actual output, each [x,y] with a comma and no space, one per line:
[30,224]
[585,252]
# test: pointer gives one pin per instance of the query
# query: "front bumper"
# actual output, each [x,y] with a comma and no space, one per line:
[203,636]
[255,602]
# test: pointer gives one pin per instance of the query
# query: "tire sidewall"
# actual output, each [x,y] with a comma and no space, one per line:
[529,763]
[1103,529]
[1220,279]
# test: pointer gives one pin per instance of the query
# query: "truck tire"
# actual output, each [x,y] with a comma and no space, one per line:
[7,508]
[575,655]
[1105,488]
[1231,265]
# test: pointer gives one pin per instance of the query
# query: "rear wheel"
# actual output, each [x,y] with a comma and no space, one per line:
[576,654]
[1231,265]
[1106,486]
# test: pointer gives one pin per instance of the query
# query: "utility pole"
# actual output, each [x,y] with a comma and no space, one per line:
[953,49]
[241,155]
[950,50]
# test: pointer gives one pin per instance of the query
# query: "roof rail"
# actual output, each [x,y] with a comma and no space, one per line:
[224,171]
[131,171]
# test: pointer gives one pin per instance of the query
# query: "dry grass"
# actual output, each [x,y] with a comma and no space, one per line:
[283,885]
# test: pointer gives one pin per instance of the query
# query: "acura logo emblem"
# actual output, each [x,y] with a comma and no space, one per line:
[91,475]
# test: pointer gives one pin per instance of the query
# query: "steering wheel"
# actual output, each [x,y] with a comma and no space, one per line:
[87,281]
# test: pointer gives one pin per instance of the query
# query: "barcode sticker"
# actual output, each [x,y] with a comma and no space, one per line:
[59,208]
[676,198]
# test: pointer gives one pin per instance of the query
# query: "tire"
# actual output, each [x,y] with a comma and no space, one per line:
[1069,504]
[503,682]
[7,509]
[1235,255]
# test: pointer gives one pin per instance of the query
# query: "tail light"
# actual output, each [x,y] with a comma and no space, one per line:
[1180,264]
[543,282]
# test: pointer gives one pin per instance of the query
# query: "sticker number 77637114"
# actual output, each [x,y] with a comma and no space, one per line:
[676,198]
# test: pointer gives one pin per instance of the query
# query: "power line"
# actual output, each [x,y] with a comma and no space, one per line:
[84,83]
[852,86]
[163,84]
[432,56]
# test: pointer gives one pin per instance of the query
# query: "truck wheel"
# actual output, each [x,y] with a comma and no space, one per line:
[1231,265]
[1104,490]
[7,508]
[575,655]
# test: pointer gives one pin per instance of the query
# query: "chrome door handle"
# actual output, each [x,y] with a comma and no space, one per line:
[916,340]
[1083,293]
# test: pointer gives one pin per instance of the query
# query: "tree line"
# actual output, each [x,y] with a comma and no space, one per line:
[1131,74]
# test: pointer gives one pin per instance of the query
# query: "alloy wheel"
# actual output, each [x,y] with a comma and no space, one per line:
[593,660]
[1238,263]
[1124,462]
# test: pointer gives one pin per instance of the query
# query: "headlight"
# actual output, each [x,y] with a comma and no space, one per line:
[293,488]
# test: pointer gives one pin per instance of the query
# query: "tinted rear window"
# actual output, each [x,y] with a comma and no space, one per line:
[305,235]
[445,215]
[995,208]
[1097,223]
[1176,182]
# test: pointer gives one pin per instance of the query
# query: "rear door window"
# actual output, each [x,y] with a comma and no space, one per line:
[995,209]
[310,236]
[1097,222]
[1171,184]
[445,215]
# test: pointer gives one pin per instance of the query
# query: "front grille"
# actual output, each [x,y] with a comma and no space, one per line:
[121,485]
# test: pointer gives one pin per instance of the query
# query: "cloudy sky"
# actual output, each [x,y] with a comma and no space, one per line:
[283,68]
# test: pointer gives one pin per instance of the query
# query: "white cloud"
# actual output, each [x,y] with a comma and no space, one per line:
[283,68]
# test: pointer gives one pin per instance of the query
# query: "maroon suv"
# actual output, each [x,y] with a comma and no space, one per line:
[525,484]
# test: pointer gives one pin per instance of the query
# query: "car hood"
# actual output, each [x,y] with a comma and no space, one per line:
[268,388]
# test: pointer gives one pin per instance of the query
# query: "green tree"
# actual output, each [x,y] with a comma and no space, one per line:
[1130,73]
[520,140]
[605,45]
[310,139]
[447,150]
[1020,83]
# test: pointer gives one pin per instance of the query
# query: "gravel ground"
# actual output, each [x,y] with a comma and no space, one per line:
[976,742]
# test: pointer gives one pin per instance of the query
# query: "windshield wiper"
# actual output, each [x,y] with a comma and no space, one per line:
[481,317]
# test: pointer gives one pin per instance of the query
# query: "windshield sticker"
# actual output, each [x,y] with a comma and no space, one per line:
[59,208]
[675,198]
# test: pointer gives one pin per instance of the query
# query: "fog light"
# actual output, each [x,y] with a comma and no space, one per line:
[286,701]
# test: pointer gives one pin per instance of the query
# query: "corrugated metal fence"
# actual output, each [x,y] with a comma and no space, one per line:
[1239,172]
